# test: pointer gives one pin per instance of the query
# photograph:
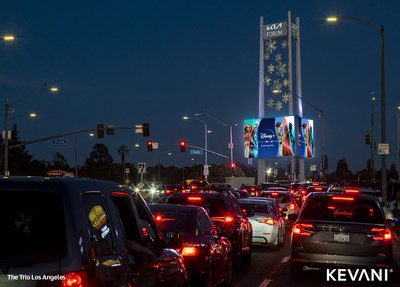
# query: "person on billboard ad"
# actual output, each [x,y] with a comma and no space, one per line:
[254,141]
[279,135]
[248,133]
[310,143]
[286,143]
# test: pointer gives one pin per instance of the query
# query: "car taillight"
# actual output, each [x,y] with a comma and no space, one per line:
[228,219]
[352,191]
[266,221]
[274,194]
[302,229]
[292,191]
[190,251]
[343,198]
[167,191]
[380,234]
[303,192]
[318,188]
[74,279]
[304,197]
[194,198]
[292,206]
[245,189]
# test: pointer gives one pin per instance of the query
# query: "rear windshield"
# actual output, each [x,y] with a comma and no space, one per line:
[340,208]
[281,198]
[215,207]
[171,220]
[33,226]
[256,207]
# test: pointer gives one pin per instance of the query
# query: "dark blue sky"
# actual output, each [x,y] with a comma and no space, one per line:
[131,62]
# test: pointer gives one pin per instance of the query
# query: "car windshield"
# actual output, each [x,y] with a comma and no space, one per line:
[341,208]
[280,197]
[33,226]
[256,207]
[215,207]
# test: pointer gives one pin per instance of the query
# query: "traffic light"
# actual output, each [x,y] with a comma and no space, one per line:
[149,145]
[110,129]
[183,146]
[100,131]
[146,131]
[233,165]
[367,139]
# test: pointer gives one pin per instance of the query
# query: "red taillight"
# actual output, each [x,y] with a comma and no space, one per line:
[301,229]
[193,198]
[292,191]
[266,221]
[274,194]
[245,189]
[304,197]
[193,187]
[167,191]
[158,217]
[228,219]
[318,188]
[292,206]
[183,190]
[303,192]
[74,279]
[190,251]
[380,234]
[343,198]
[351,190]
[315,183]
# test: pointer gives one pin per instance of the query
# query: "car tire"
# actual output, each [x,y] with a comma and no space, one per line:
[247,256]
[209,279]
[237,258]
[229,274]
[296,270]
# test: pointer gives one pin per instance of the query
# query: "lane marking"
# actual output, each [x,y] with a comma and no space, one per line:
[285,259]
[265,283]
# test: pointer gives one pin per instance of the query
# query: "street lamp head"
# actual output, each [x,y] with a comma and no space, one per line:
[332,19]
[8,38]
[91,134]
[209,131]
[32,115]
[53,89]
[398,107]
[185,118]
[276,91]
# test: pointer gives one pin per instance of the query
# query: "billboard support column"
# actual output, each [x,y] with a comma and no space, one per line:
[290,79]
[261,107]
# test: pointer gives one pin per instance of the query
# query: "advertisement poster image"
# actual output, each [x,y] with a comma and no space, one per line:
[251,138]
[306,138]
[285,131]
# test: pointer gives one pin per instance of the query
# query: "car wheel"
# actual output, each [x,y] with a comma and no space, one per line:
[237,258]
[296,270]
[247,257]
[281,239]
[229,274]
[209,280]
[275,245]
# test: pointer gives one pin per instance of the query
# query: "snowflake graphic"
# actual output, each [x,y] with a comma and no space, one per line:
[270,68]
[284,44]
[267,80]
[278,57]
[285,98]
[278,105]
[285,83]
[271,46]
[266,56]
[281,69]
[270,102]
[277,85]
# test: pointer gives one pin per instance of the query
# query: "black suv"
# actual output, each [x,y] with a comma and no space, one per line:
[226,214]
[81,232]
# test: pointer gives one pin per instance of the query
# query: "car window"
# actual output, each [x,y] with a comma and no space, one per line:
[205,224]
[99,228]
[215,207]
[32,226]
[148,226]
[341,208]
[280,197]
[127,217]
[256,207]
[171,220]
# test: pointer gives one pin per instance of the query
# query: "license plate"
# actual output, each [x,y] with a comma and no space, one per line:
[341,237]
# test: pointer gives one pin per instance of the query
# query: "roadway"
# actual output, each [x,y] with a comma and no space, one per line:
[270,268]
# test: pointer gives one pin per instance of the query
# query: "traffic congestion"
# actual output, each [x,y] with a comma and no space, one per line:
[65,231]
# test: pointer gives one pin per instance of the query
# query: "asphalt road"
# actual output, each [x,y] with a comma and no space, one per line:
[270,268]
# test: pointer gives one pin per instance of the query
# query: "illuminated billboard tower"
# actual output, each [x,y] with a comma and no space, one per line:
[278,76]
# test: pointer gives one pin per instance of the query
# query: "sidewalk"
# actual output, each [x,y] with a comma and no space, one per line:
[396,249]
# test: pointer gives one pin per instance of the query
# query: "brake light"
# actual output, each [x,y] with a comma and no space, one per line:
[274,194]
[228,219]
[318,188]
[304,197]
[302,229]
[343,198]
[266,221]
[167,191]
[351,190]
[291,206]
[291,191]
[303,192]
[193,198]
[380,234]
[245,189]
[158,218]
[193,187]
[183,190]
[190,251]
[315,183]
[74,279]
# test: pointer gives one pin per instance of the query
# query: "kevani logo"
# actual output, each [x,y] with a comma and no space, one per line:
[356,275]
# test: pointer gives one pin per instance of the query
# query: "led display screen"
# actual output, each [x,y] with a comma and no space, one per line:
[306,137]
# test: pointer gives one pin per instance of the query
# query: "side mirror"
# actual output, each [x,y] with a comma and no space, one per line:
[293,217]
[392,223]
[173,239]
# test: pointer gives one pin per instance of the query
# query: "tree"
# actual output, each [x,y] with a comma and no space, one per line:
[59,162]
[343,174]
[122,151]
[393,172]
[100,164]
[19,160]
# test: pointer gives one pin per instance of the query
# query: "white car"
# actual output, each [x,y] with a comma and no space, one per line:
[285,199]
[267,229]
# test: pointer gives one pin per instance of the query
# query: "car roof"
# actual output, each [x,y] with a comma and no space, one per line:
[276,191]
[175,207]
[251,200]
[332,194]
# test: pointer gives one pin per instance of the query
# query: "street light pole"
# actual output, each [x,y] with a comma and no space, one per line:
[372,139]
[6,137]
[205,171]
[224,124]
[398,141]
[383,101]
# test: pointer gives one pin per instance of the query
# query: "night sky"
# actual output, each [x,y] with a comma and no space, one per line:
[134,62]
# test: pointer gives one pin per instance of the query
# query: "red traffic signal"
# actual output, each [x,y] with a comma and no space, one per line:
[183,146]
[233,165]
[149,145]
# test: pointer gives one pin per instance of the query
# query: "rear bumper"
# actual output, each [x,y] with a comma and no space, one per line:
[325,260]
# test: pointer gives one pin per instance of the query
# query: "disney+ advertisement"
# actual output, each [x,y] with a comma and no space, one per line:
[275,137]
